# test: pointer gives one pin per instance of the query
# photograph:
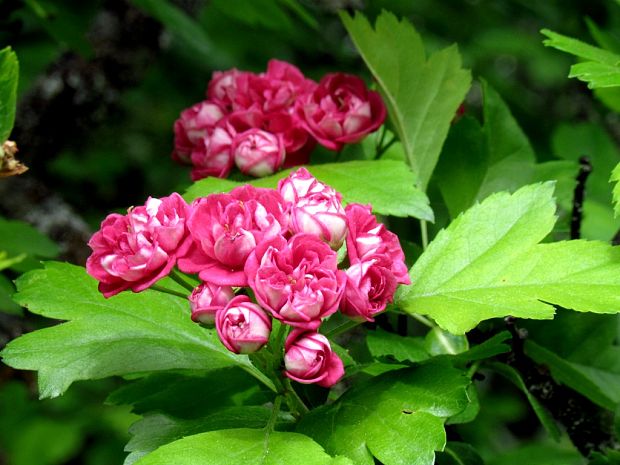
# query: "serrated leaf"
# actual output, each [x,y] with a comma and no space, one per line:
[543,415]
[397,417]
[242,446]
[488,264]
[156,430]
[9,75]
[615,178]
[600,386]
[601,68]
[386,184]
[422,95]
[127,333]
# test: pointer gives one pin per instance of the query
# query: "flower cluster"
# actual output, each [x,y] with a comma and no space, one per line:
[280,243]
[264,122]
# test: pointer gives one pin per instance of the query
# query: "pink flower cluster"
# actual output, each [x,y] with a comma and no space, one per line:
[281,243]
[272,120]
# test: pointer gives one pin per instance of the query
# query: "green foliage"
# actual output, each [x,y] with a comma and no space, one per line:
[488,264]
[9,75]
[156,430]
[382,344]
[21,239]
[129,333]
[479,160]
[543,415]
[397,417]
[376,182]
[600,67]
[458,453]
[615,178]
[422,95]
[247,446]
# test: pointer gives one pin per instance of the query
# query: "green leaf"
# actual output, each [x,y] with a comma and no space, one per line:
[242,446]
[156,430]
[128,333]
[191,35]
[386,184]
[438,342]
[488,264]
[422,95]
[543,415]
[21,238]
[478,161]
[615,177]
[401,348]
[9,75]
[161,392]
[7,305]
[601,66]
[459,453]
[600,386]
[397,417]
[539,453]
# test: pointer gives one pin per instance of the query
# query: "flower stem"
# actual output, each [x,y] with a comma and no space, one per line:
[275,411]
[259,375]
[422,319]
[292,398]
[383,149]
[176,276]
[156,287]
[424,232]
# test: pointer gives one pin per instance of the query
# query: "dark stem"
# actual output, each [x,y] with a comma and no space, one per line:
[383,149]
[585,168]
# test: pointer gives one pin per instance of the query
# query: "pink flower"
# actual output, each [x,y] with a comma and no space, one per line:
[315,208]
[297,281]
[207,299]
[194,124]
[135,250]
[369,240]
[243,327]
[308,358]
[223,87]
[258,153]
[227,227]
[341,110]
[369,288]
[212,155]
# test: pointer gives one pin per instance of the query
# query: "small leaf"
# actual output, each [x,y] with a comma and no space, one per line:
[601,66]
[242,446]
[128,333]
[386,184]
[9,75]
[488,264]
[422,95]
[543,415]
[396,417]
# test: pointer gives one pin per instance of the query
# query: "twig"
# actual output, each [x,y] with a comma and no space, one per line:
[585,168]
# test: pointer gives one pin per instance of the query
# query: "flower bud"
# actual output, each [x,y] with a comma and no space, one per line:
[207,299]
[308,358]
[258,153]
[243,327]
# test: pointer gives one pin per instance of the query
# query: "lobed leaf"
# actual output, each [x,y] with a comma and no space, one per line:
[488,264]
[397,417]
[422,95]
[242,446]
[386,184]
[128,333]
[615,178]
[601,68]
